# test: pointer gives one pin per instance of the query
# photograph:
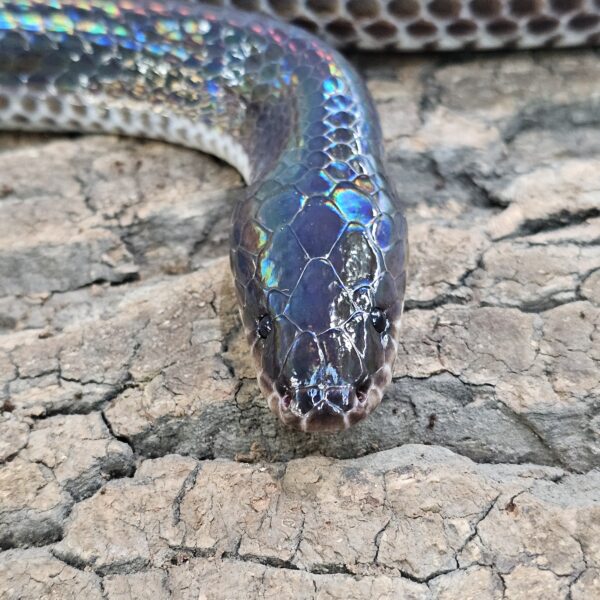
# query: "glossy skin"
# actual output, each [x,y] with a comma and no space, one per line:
[318,242]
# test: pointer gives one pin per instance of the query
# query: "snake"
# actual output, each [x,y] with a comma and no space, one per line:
[318,245]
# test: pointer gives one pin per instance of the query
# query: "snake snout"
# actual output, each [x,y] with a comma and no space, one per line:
[335,400]
[323,408]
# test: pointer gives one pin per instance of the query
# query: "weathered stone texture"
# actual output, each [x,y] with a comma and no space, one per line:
[37,574]
[137,458]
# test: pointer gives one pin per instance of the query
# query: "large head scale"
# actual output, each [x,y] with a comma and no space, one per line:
[320,280]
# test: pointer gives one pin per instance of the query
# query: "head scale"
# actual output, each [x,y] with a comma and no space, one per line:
[320,281]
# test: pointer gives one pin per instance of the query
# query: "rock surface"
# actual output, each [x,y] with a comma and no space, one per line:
[137,458]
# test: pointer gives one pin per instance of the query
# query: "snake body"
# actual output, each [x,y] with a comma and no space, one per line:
[318,243]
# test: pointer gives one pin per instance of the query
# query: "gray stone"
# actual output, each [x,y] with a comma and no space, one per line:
[37,574]
[80,451]
[33,507]
[416,513]
[13,435]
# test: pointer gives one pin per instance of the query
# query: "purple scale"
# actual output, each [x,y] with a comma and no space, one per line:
[317,227]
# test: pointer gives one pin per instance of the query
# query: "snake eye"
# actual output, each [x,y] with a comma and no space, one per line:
[379,320]
[264,326]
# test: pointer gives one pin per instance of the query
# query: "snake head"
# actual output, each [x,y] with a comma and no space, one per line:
[321,297]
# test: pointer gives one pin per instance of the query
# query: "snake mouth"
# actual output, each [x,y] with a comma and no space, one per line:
[326,408]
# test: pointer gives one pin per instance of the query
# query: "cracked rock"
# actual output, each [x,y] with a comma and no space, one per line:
[473,582]
[80,451]
[37,574]
[33,506]
[529,582]
[13,436]
[415,511]
[210,579]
